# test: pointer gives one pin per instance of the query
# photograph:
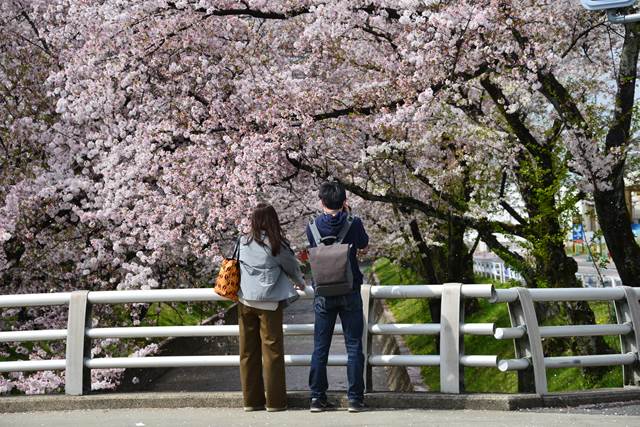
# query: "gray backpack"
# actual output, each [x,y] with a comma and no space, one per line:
[330,265]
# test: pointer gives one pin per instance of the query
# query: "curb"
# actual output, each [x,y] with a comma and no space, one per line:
[300,399]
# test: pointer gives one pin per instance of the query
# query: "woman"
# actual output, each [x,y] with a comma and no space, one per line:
[267,267]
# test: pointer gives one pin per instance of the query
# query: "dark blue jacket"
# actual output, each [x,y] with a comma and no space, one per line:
[329,225]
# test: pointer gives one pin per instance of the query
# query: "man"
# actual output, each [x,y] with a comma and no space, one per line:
[336,213]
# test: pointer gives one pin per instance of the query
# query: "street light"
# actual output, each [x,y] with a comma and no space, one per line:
[606,4]
[612,7]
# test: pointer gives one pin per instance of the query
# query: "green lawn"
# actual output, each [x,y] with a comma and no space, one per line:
[484,379]
[181,314]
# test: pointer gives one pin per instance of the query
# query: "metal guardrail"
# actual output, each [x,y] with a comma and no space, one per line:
[529,360]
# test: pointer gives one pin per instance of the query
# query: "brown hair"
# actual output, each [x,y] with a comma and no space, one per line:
[264,218]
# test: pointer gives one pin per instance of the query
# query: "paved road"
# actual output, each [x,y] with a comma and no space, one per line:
[228,378]
[235,417]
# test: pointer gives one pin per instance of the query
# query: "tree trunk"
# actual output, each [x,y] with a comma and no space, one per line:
[616,228]
[451,263]
[427,268]
[459,263]
[554,269]
[610,204]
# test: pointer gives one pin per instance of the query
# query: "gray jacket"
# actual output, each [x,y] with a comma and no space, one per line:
[264,277]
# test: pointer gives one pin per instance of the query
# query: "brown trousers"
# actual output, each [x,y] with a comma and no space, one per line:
[262,357]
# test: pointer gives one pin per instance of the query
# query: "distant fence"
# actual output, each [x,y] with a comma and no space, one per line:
[529,359]
[497,270]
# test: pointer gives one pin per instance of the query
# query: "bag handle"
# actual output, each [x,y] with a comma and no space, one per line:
[236,250]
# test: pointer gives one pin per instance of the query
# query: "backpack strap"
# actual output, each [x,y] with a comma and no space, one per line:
[315,233]
[337,239]
[345,229]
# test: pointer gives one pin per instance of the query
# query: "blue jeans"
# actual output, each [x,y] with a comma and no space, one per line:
[349,307]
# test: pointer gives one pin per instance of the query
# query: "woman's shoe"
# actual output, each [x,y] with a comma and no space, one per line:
[253,408]
[276,409]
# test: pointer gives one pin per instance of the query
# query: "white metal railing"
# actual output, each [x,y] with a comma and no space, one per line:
[529,360]
[527,334]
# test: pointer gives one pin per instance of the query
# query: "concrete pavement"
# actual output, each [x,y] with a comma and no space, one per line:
[195,417]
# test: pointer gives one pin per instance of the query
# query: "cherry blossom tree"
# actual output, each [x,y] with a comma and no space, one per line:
[86,206]
[139,134]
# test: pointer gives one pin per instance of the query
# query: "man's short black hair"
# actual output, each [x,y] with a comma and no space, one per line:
[332,194]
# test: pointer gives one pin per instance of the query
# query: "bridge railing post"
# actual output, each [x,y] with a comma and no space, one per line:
[451,340]
[368,313]
[628,311]
[522,313]
[77,376]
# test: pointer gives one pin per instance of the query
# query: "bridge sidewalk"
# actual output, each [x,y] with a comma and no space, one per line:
[236,417]
[299,399]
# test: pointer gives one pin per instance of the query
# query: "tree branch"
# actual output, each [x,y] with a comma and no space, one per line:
[254,13]
[514,120]
[619,132]
[365,111]
[514,214]
[580,36]
[45,45]
[561,99]
[512,258]
[379,36]
[402,200]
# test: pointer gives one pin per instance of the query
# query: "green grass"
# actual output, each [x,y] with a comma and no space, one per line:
[391,274]
[490,379]
[183,314]
[485,379]
[605,313]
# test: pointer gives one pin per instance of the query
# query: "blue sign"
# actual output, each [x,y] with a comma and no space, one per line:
[578,232]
